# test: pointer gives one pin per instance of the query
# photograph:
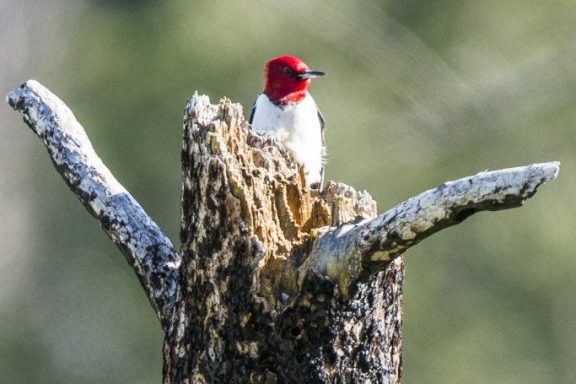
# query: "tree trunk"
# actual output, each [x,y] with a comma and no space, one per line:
[275,282]
[251,312]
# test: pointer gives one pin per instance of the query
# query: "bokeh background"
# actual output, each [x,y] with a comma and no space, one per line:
[417,93]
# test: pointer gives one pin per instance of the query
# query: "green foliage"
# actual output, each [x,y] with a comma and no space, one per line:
[416,93]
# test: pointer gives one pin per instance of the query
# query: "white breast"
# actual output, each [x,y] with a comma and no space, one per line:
[298,127]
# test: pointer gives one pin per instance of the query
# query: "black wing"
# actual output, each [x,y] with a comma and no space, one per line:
[253,111]
[322,133]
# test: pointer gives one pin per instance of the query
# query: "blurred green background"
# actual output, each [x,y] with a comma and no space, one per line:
[417,93]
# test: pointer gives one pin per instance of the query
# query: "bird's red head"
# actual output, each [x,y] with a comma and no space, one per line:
[287,78]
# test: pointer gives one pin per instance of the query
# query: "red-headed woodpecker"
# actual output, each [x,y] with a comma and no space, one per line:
[285,111]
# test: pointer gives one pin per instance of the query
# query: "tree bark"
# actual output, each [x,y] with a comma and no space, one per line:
[275,282]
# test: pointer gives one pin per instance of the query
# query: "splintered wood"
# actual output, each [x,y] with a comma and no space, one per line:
[264,191]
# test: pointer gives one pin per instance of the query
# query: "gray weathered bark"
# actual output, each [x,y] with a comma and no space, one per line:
[275,282]
[146,248]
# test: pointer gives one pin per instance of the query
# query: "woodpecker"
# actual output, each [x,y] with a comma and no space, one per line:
[286,112]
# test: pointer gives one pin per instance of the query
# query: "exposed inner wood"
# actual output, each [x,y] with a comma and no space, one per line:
[264,192]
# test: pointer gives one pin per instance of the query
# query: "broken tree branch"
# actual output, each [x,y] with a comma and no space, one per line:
[346,252]
[147,249]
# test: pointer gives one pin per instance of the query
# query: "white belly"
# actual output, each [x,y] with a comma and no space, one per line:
[298,127]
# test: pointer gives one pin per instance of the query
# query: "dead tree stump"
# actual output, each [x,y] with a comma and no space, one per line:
[251,310]
[275,282]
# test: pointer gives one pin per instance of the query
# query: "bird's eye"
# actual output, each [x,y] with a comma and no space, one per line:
[289,71]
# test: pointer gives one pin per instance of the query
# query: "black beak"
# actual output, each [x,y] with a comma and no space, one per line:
[310,74]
